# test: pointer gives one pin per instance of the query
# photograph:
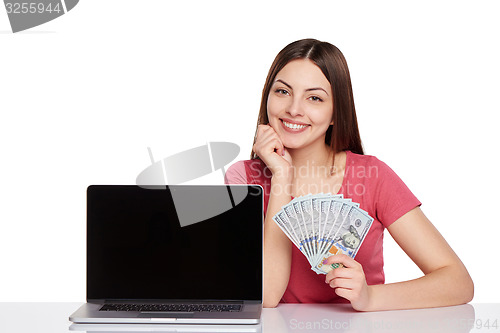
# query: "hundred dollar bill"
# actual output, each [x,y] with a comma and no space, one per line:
[325,220]
[339,210]
[284,224]
[332,224]
[316,216]
[322,221]
[303,208]
[306,210]
[349,237]
[294,220]
[281,219]
[297,208]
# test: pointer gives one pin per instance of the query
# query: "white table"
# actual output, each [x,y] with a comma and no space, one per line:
[53,318]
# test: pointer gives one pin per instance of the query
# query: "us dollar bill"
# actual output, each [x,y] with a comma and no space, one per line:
[349,237]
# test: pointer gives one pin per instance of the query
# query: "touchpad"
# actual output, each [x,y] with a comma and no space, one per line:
[166,314]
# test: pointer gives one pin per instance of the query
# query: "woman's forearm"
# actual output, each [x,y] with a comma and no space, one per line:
[449,285]
[446,281]
[277,247]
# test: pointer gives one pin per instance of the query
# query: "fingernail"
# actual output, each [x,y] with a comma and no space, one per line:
[325,262]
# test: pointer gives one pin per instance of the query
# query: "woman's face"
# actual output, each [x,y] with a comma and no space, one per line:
[300,104]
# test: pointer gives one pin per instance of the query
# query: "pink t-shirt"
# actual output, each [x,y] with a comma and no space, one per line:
[368,181]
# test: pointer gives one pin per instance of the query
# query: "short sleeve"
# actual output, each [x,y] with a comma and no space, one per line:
[236,174]
[393,198]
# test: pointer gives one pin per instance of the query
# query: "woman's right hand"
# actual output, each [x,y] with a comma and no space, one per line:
[271,151]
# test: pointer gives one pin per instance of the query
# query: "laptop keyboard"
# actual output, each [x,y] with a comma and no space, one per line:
[172,307]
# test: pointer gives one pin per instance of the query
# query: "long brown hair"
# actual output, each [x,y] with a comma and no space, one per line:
[344,133]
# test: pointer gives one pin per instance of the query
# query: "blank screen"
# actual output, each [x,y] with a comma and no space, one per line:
[178,242]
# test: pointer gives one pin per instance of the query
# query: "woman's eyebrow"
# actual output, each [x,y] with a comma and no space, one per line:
[286,84]
[318,88]
[310,89]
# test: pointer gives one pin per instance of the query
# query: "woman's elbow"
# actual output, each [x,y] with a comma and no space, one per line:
[468,292]
[465,288]
[270,304]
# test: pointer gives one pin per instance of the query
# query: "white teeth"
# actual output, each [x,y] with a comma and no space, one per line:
[293,126]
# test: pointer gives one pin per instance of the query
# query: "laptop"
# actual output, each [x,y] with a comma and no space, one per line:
[182,254]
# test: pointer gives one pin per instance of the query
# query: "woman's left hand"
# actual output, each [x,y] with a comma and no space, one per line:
[349,281]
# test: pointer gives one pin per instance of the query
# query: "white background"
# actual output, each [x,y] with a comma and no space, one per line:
[83,96]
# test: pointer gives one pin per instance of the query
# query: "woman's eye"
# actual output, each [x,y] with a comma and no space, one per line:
[315,99]
[281,91]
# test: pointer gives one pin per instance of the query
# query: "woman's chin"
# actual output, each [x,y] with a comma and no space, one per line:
[292,145]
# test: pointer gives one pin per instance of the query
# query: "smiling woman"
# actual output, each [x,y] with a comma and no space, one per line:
[299,102]
[328,82]
[307,137]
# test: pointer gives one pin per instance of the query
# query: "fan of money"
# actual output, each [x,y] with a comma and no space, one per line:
[322,225]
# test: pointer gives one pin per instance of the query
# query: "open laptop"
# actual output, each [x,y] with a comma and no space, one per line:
[181,254]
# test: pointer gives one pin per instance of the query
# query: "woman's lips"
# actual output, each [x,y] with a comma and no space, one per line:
[293,126]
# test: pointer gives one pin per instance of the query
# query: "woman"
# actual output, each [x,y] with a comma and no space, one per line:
[307,141]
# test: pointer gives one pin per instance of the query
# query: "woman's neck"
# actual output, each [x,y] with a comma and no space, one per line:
[311,157]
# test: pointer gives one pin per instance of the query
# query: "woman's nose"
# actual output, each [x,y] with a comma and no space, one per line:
[295,108]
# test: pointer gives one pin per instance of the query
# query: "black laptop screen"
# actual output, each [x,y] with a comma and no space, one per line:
[180,242]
